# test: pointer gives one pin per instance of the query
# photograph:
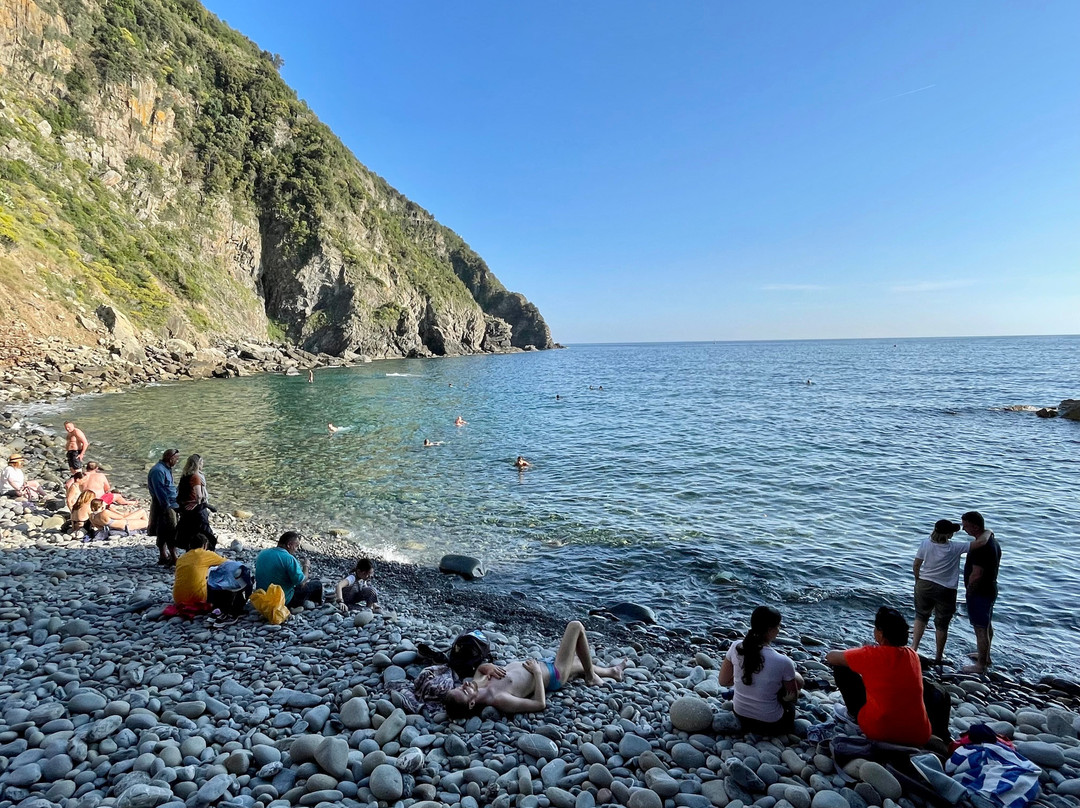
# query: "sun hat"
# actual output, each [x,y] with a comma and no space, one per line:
[14,457]
[945,526]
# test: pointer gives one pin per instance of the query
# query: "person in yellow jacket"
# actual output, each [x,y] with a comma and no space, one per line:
[189,586]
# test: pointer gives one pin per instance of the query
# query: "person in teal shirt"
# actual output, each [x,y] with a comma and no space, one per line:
[279,565]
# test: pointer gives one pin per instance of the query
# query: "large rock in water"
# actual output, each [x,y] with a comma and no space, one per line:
[1069,409]
[467,567]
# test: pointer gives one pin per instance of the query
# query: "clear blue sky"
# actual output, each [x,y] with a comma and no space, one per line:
[722,170]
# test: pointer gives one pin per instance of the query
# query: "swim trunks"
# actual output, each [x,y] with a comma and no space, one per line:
[554,680]
[108,497]
[73,459]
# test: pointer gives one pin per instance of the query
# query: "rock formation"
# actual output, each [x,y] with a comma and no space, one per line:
[155,169]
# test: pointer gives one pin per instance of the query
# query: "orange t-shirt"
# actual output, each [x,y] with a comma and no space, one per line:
[894,710]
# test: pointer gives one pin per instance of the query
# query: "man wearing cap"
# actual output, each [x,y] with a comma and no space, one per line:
[937,576]
[163,506]
[980,583]
[882,684]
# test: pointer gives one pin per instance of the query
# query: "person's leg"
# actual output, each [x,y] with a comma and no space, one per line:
[980,613]
[852,689]
[309,589]
[917,629]
[574,658]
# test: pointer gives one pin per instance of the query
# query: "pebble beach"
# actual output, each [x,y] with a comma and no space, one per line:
[105,702]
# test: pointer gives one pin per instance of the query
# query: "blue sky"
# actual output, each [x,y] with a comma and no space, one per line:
[722,170]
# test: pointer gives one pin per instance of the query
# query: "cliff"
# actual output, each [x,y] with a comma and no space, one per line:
[153,160]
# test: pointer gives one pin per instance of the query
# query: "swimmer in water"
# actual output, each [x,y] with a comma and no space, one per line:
[808,381]
[521,463]
[558,397]
[432,443]
[310,376]
[460,421]
[332,429]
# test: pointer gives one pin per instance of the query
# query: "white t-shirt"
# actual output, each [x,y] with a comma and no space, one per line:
[941,562]
[13,479]
[759,700]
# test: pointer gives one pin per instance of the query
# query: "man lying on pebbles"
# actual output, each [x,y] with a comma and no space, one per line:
[522,687]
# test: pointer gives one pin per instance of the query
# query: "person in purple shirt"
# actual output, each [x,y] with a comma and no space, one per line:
[163,506]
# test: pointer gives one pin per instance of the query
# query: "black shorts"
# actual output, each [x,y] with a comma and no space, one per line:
[74,462]
[931,597]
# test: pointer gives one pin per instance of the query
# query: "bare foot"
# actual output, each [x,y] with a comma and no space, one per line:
[618,669]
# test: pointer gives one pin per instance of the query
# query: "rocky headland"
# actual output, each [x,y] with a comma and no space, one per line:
[104,702]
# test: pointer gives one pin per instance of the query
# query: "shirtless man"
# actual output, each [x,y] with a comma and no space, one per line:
[332,429]
[522,463]
[95,480]
[76,445]
[460,421]
[522,687]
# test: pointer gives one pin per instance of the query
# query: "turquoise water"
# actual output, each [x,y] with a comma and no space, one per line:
[702,479]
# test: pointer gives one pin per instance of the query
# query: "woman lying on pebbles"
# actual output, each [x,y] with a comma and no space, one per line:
[522,687]
[102,516]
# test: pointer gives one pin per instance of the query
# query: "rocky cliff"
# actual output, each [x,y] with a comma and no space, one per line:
[152,160]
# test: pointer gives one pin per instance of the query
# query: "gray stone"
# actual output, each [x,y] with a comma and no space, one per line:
[715,792]
[232,688]
[599,775]
[883,782]
[691,714]
[23,776]
[332,755]
[560,798]
[303,748]
[355,714]
[662,783]
[213,789]
[57,768]
[386,783]
[686,756]
[1042,753]
[829,799]
[538,746]
[74,628]
[238,762]
[644,798]
[745,776]
[391,728]
[190,709]
[633,745]
[165,681]
[143,796]
[798,796]
[1060,722]
[85,703]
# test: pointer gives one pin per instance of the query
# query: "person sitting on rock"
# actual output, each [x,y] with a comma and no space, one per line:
[882,684]
[101,516]
[279,565]
[522,687]
[766,682]
[80,511]
[189,584]
[94,479]
[13,482]
[357,588]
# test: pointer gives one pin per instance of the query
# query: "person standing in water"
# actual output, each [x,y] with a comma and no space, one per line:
[310,376]
[460,421]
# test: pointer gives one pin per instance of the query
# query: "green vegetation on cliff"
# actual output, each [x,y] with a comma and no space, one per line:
[162,165]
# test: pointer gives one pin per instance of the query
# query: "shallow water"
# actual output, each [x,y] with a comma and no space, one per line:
[702,479]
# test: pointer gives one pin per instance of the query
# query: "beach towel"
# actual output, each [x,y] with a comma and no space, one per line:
[995,775]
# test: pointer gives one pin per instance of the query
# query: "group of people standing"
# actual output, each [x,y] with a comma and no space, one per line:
[179,513]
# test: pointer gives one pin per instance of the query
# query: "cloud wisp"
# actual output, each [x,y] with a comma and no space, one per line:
[928,286]
[909,92]
[793,287]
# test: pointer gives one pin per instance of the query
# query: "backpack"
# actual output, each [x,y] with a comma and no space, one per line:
[468,652]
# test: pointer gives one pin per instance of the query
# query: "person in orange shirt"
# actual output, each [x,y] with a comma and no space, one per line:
[882,684]
[189,586]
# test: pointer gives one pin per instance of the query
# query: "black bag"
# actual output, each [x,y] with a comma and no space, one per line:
[938,708]
[468,652]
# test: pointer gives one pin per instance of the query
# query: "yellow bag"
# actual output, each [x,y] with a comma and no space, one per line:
[270,603]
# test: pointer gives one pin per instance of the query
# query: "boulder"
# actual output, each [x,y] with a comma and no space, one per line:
[180,349]
[1047,412]
[125,340]
[386,783]
[1069,409]
[691,714]
[467,567]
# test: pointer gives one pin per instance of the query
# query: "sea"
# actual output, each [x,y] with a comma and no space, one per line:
[698,479]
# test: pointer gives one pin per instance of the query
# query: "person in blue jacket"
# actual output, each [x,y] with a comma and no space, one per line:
[163,506]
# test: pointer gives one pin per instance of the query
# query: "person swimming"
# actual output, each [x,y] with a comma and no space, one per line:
[432,443]
[332,429]
[460,421]
[521,463]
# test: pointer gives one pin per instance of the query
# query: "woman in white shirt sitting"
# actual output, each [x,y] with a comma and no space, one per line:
[766,682]
[13,482]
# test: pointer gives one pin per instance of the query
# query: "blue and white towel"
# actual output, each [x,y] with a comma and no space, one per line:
[995,775]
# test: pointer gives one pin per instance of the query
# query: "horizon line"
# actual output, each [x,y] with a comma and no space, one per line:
[815,339]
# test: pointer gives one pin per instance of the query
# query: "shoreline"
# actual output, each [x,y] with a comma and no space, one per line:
[91,678]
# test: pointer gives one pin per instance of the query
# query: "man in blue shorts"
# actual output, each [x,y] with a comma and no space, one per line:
[980,584]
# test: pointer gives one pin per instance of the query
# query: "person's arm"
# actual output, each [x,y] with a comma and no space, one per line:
[81,443]
[975,576]
[984,537]
[508,703]
[106,485]
[727,673]
[791,691]
[915,567]
[298,571]
[491,670]
[837,658]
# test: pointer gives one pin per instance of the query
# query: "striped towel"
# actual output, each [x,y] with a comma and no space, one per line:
[995,775]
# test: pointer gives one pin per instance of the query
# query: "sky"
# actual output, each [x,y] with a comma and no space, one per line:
[722,170]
